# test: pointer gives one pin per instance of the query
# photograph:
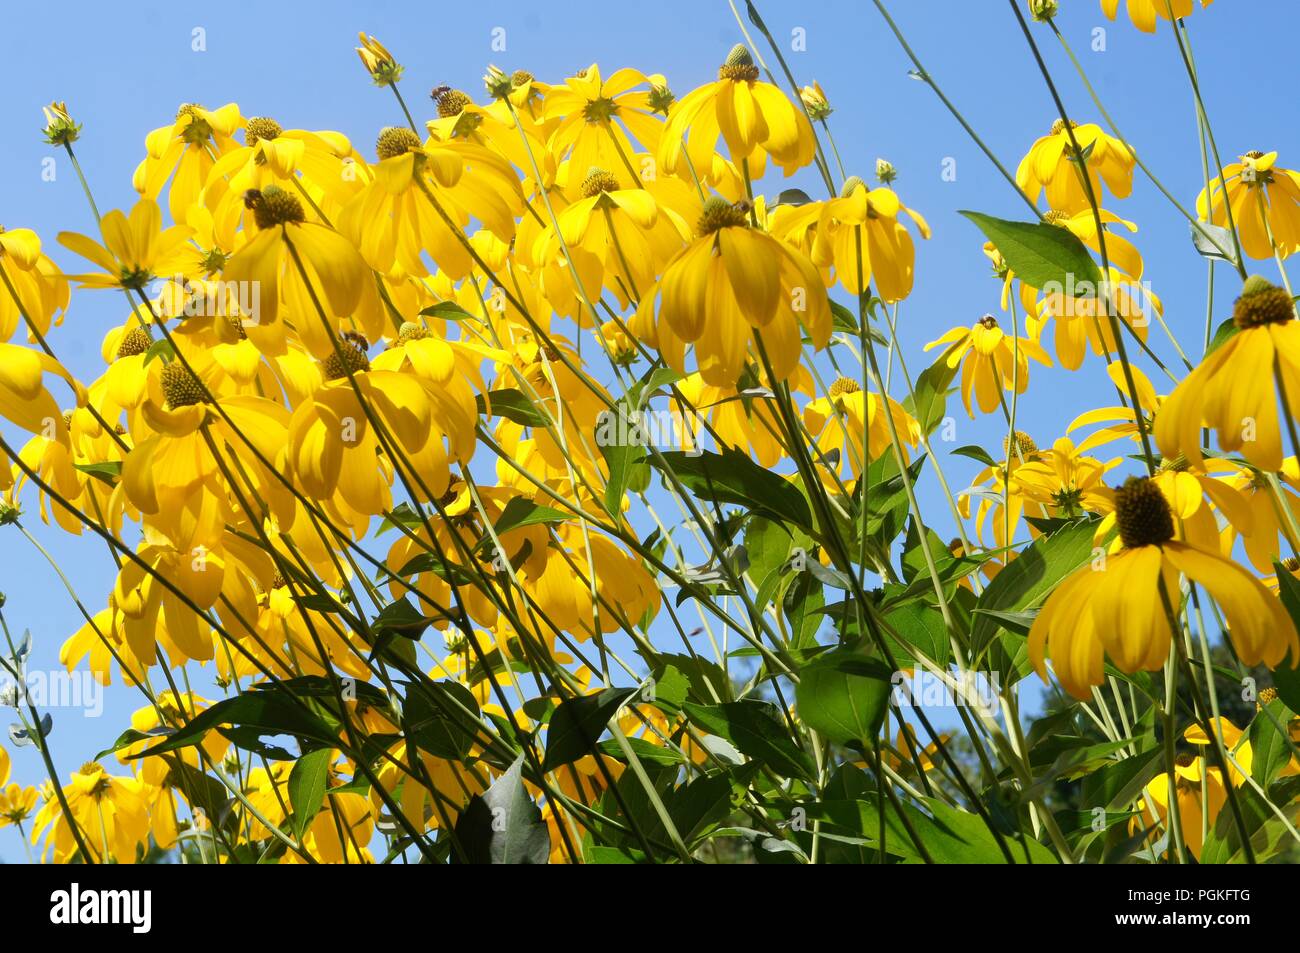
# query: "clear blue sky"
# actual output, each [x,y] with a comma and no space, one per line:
[124,68]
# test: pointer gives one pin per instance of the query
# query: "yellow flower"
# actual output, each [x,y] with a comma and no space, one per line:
[1114,607]
[110,811]
[60,129]
[1262,531]
[185,152]
[379,63]
[1143,13]
[334,449]
[1121,421]
[859,233]
[815,101]
[739,419]
[319,163]
[619,237]
[1052,166]
[40,287]
[391,221]
[850,422]
[727,288]
[754,118]
[17,804]
[136,249]
[1265,199]
[337,277]
[1234,390]
[1200,794]
[993,361]
[23,396]
[593,117]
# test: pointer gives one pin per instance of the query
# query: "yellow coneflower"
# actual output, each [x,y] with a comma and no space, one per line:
[1143,13]
[754,118]
[991,361]
[1115,608]
[1052,167]
[136,249]
[391,221]
[185,152]
[731,284]
[851,422]
[336,275]
[110,811]
[1265,200]
[597,119]
[1235,389]
[619,237]
[41,288]
[860,234]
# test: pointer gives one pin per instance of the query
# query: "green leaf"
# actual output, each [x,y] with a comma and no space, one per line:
[758,731]
[792,197]
[130,737]
[254,714]
[578,723]
[646,752]
[732,477]
[802,605]
[1270,749]
[948,834]
[1041,255]
[503,826]
[161,349]
[624,455]
[433,718]
[844,695]
[510,403]
[976,453]
[108,471]
[1286,679]
[1026,581]
[399,618]
[308,780]
[521,511]
[929,401]
[1222,334]
[1264,831]
[1220,249]
[448,311]
[670,689]
[1115,786]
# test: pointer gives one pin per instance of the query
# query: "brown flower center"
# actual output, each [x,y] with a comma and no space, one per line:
[1142,514]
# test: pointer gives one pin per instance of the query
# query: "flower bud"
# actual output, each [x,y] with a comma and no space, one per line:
[815,101]
[379,63]
[60,130]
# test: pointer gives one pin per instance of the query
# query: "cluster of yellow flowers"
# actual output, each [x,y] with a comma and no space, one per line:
[427,339]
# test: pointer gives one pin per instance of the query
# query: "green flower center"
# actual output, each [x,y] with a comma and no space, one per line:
[274,206]
[135,341]
[719,213]
[450,101]
[739,65]
[1022,444]
[598,181]
[180,387]
[349,358]
[395,141]
[259,127]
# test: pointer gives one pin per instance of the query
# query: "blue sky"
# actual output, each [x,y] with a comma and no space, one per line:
[124,68]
